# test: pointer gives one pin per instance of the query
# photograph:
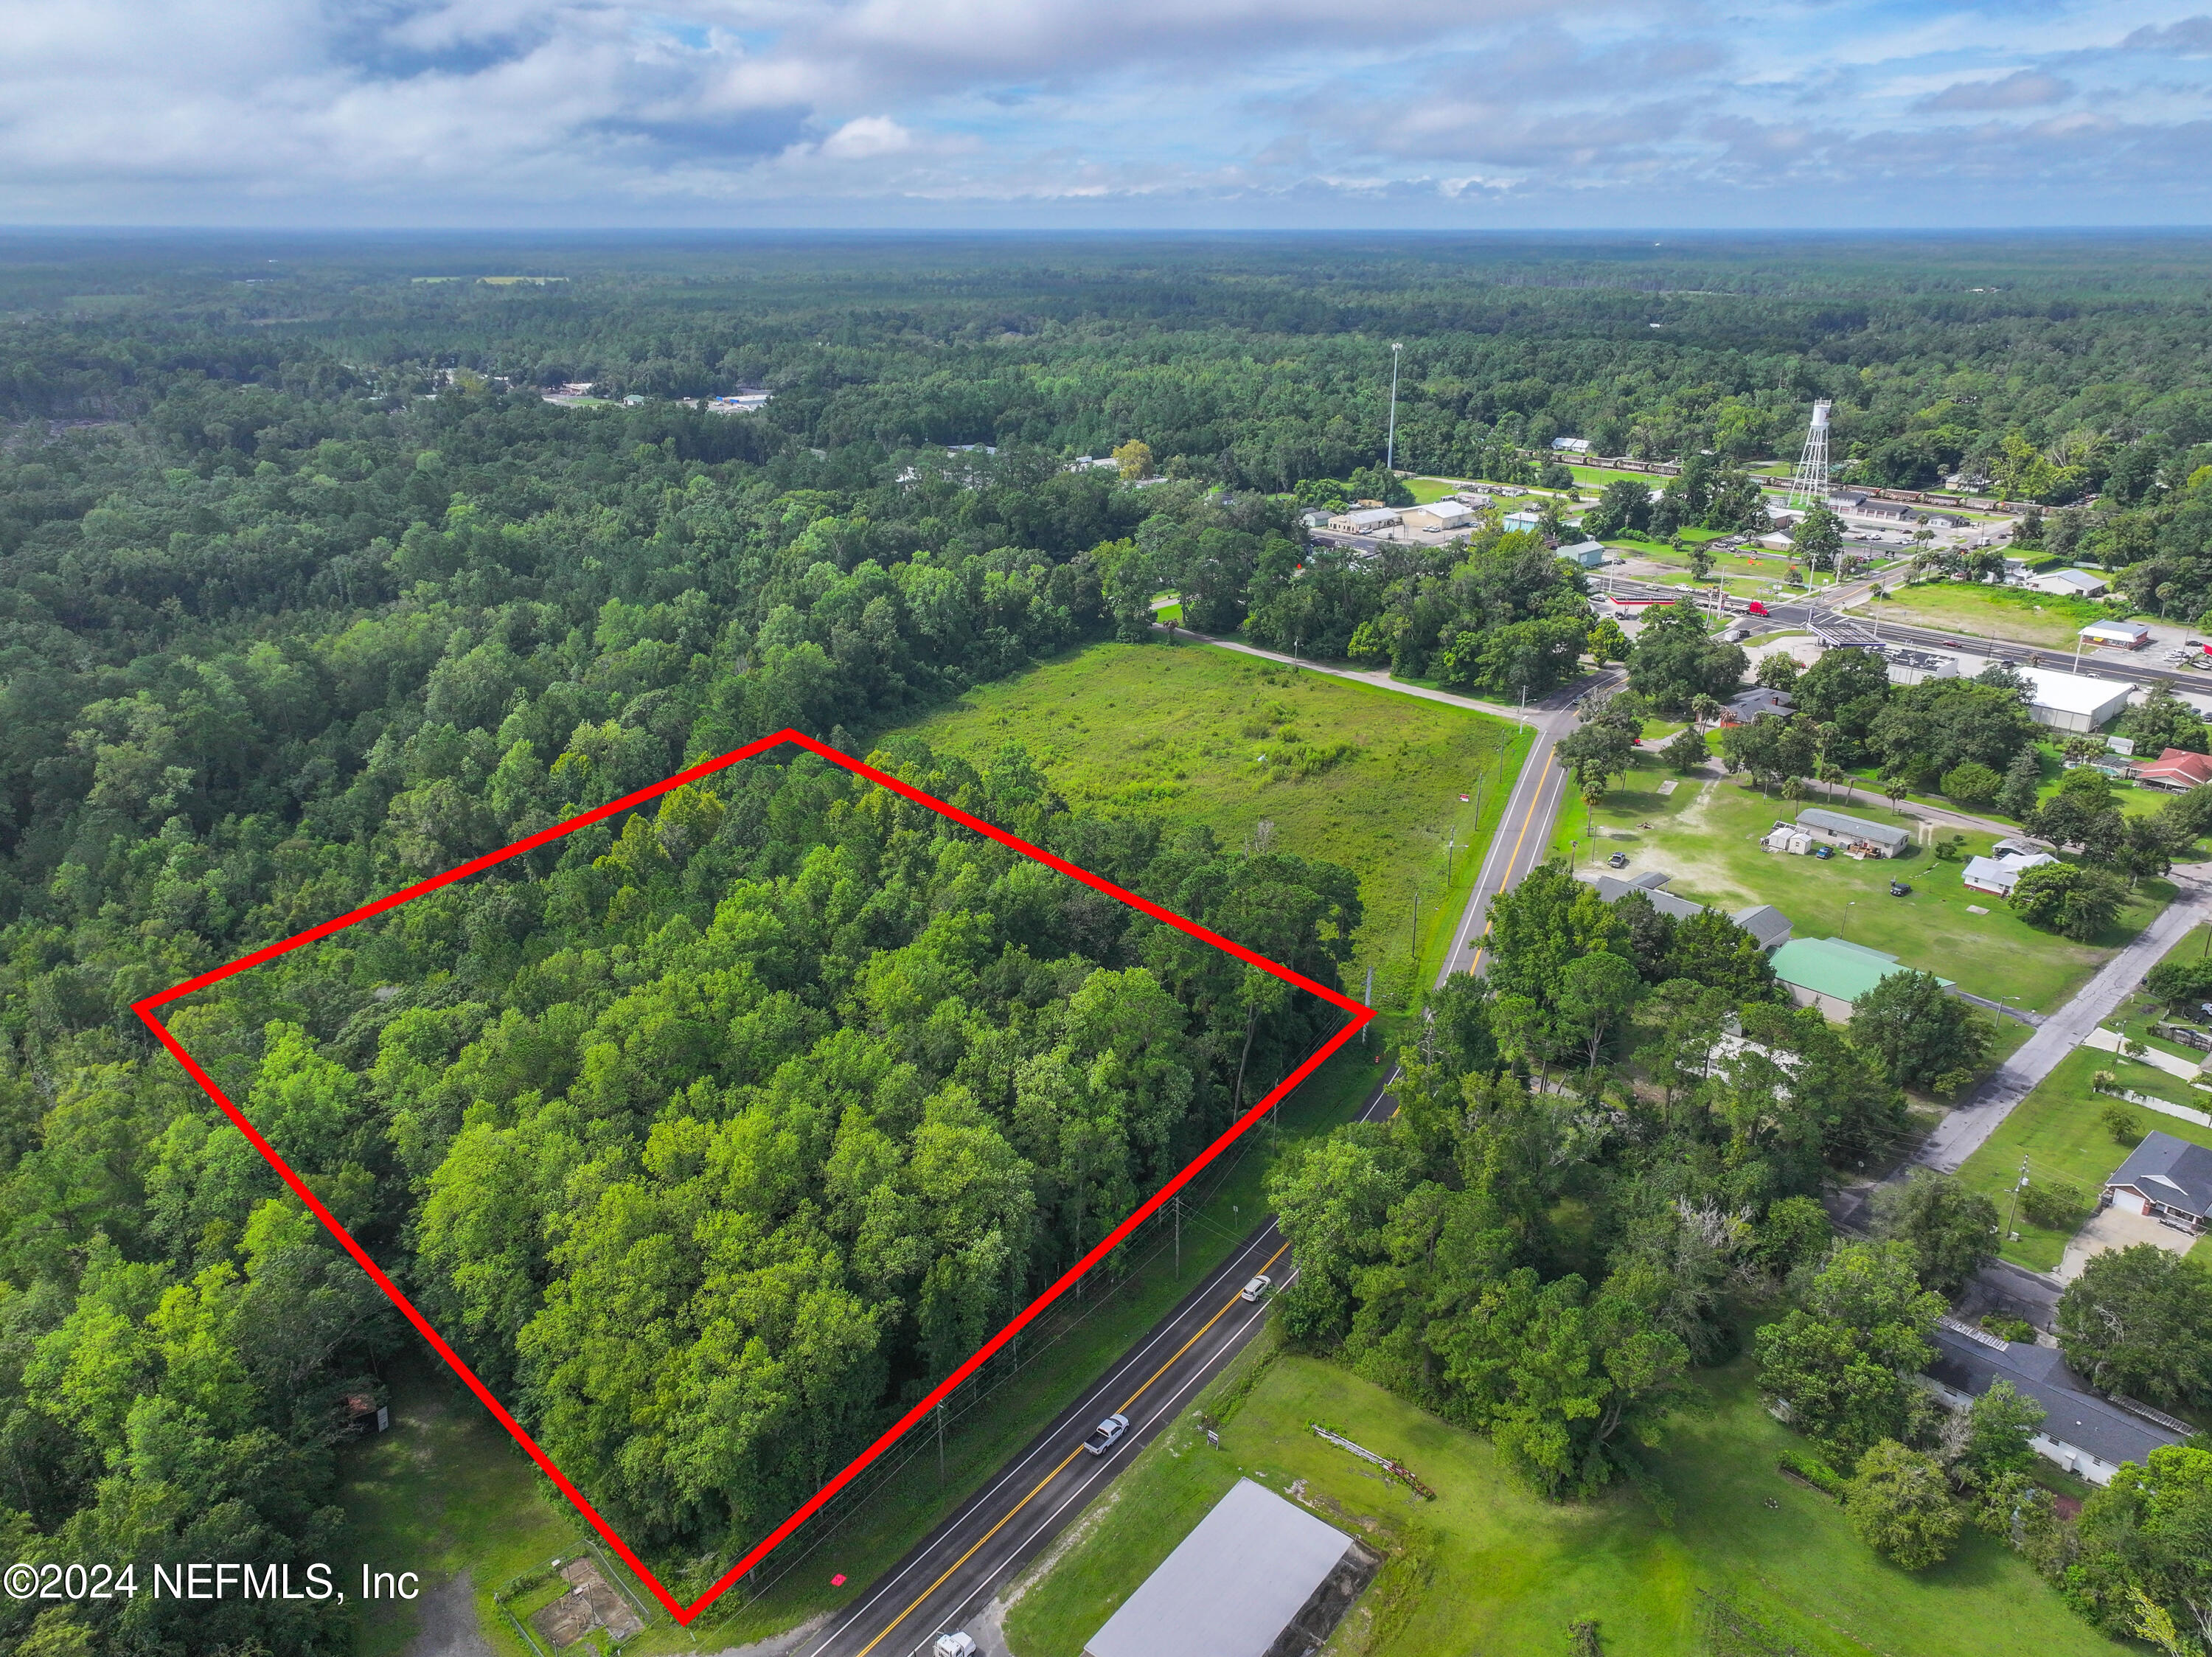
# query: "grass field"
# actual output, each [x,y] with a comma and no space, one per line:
[1705,834]
[1489,1570]
[1179,730]
[2013,612]
[447,1491]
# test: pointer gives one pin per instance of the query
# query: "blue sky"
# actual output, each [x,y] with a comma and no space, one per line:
[1450,114]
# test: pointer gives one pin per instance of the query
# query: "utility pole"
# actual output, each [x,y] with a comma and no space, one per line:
[2009,1233]
[1390,446]
[1178,1225]
[940,1440]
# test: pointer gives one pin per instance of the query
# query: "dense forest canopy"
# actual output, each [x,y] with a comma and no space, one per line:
[716,1134]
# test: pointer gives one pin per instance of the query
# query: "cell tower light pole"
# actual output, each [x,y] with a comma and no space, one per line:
[1808,484]
[1391,447]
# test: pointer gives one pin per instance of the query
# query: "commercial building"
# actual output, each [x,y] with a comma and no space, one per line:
[2126,635]
[2072,701]
[1586,555]
[1910,667]
[1837,828]
[1831,974]
[2086,1435]
[1365,519]
[1257,1575]
[1571,444]
[1441,515]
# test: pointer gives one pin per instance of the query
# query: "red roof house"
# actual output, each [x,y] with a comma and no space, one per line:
[2177,768]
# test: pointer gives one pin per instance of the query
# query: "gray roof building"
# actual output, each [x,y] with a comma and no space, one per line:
[1750,704]
[1836,825]
[1232,1588]
[1766,924]
[2165,1175]
[2081,1432]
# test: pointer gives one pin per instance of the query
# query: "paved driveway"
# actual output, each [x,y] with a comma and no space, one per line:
[2115,1228]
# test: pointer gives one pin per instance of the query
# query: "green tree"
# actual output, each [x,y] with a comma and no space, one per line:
[1919,1034]
[1951,1229]
[1676,659]
[1972,784]
[2079,902]
[1817,539]
[2139,1320]
[1686,750]
[2161,721]
[1899,1505]
[1843,1362]
[2017,796]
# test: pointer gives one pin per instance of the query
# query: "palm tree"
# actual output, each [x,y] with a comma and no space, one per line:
[1705,710]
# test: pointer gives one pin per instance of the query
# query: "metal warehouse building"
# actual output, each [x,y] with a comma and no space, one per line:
[1259,1574]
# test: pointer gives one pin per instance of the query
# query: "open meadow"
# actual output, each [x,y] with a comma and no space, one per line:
[2012,613]
[1489,1569]
[1361,776]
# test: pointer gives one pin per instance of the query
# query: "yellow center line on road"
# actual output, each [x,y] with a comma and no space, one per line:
[1226,1307]
[1534,803]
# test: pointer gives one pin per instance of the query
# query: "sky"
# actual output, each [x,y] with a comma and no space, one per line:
[1444,114]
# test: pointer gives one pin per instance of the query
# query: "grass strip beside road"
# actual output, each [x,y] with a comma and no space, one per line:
[1489,1568]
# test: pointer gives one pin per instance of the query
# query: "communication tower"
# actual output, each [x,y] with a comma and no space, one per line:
[1808,484]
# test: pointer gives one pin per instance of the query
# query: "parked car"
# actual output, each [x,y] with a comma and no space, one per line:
[1256,1287]
[953,1645]
[1106,1434]
[1618,860]
[1899,889]
[1824,852]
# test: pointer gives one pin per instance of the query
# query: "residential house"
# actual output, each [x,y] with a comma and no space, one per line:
[1837,828]
[1998,874]
[2088,1436]
[1524,519]
[1831,974]
[2070,583]
[2167,1179]
[2177,770]
[1743,708]
[1767,925]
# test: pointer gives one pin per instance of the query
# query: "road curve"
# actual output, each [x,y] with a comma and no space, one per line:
[954,1572]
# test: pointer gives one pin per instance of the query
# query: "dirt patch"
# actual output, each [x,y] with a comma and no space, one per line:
[591,1602]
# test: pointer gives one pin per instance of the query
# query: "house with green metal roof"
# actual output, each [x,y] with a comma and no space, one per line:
[1831,974]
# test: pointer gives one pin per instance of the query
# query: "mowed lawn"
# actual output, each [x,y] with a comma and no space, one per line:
[1705,834]
[2013,612]
[1178,731]
[1489,1569]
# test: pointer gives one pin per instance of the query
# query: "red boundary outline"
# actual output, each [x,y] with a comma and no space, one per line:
[1358,1018]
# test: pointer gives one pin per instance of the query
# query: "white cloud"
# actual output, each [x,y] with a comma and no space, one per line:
[530,111]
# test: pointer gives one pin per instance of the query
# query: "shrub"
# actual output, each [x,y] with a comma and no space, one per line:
[1814,1471]
[2124,1126]
[2058,1204]
[1687,751]
[1972,784]
[2008,1329]
[1899,1503]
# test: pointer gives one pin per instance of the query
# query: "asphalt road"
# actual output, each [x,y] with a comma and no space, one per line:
[953,1574]
[1524,829]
